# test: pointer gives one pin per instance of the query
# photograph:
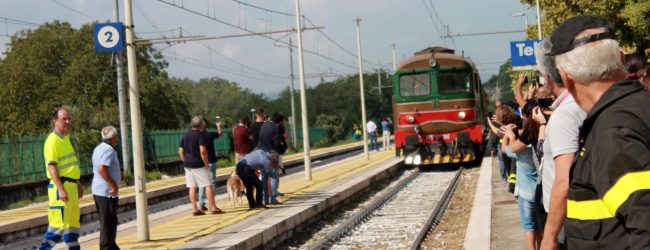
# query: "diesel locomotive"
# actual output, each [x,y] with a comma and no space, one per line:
[439,109]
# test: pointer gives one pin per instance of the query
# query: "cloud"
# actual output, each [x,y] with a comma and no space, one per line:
[231,50]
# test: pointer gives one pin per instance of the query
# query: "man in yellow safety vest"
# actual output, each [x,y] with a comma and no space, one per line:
[64,189]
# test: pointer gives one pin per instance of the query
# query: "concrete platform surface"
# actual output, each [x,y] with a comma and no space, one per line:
[175,228]
[506,226]
[477,236]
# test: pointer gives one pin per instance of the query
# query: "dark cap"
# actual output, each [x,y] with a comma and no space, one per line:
[563,37]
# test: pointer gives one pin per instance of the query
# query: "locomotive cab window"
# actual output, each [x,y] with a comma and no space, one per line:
[415,84]
[454,82]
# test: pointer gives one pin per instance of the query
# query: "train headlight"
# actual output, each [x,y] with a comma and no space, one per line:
[433,63]
[417,129]
[410,119]
[462,115]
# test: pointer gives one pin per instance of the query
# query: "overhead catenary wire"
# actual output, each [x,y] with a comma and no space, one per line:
[74,10]
[248,30]
[264,9]
[337,44]
[17,22]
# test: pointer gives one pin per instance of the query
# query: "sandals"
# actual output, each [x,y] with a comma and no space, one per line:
[197,213]
[218,211]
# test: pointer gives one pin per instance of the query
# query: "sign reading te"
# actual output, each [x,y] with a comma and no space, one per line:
[523,54]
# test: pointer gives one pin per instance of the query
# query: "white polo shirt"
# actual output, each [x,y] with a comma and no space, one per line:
[561,138]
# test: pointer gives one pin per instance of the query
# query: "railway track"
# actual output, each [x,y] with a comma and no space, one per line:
[399,218]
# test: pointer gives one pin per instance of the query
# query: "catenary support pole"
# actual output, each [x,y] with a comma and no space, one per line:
[362,93]
[539,22]
[121,99]
[136,128]
[303,97]
[294,137]
[394,64]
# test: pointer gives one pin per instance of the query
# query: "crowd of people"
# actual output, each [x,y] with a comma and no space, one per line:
[258,155]
[373,133]
[582,158]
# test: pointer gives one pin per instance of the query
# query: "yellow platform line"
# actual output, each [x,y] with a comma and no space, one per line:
[41,209]
[162,238]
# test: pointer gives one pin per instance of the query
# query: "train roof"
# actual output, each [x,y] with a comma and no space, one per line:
[444,57]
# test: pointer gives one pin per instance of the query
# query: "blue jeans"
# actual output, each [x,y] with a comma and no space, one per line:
[527,215]
[502,165]
[265,185]
[373,141]
[275,182]
[213,179]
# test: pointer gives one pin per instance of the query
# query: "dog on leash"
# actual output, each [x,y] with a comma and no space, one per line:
[235,188]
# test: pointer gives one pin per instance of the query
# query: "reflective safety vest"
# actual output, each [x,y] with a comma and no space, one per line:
[58,150]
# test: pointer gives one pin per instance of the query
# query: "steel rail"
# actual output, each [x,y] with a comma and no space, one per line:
[363,214]
[438,212]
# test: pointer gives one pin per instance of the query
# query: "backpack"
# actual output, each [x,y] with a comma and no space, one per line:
[279,144]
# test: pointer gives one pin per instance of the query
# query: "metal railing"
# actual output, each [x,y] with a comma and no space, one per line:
[21,158]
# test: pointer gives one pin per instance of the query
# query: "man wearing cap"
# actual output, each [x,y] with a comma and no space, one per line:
[560,146]
[608,204]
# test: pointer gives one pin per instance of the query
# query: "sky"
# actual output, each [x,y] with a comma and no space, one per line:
[262,64]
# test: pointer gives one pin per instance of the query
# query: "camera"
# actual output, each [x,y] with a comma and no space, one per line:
[217,119]
[544,102]
[519,124]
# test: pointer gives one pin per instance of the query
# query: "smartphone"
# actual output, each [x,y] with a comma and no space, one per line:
[217,119]
[490,114]
[284,171]
[525,79]
[519,124]
[545,102]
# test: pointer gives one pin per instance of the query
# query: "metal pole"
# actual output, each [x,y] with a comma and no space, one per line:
[539,22]
[136,128]
[294,137]
[121,99]
[363,99]
[379,79]
[303,98]
[394,65]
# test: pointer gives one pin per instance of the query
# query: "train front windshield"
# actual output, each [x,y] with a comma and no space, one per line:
[454,82]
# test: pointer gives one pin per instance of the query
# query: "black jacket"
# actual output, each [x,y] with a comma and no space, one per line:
[609,192]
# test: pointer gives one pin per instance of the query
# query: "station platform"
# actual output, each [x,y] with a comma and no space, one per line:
[34,216]
[241,228]
[494,222]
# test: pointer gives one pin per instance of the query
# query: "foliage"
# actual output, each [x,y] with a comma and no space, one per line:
[631,18]
[211,97]
[505,81]
[331,124]
[340,99]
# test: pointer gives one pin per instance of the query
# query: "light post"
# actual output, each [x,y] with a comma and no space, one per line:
[539,22]
[363,101]
[525,19]
[392,45]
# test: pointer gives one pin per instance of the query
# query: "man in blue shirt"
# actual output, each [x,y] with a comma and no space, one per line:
[257,160]
[106,180]
[385,128]
[212,160]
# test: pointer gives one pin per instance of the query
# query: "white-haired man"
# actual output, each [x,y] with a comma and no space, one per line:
[105,186]
[608,203]
[560,146]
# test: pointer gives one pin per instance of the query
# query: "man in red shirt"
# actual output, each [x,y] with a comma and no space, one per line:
[242,138]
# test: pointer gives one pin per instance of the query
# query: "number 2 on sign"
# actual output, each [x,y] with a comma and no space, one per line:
[109,35]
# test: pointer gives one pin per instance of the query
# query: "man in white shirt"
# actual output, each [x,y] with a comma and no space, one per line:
[372,132]
[560,145]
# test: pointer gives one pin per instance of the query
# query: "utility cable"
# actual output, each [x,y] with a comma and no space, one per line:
[70,8]
[253,32]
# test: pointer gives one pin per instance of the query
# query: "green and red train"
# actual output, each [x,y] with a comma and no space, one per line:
[439,109]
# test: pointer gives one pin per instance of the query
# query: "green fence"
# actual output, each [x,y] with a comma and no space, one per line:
[21,158]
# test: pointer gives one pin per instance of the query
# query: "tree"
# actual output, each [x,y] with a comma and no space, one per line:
[631,18]
[56,64]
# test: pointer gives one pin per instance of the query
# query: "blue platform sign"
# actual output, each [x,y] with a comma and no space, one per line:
[523,54]
[109,37]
